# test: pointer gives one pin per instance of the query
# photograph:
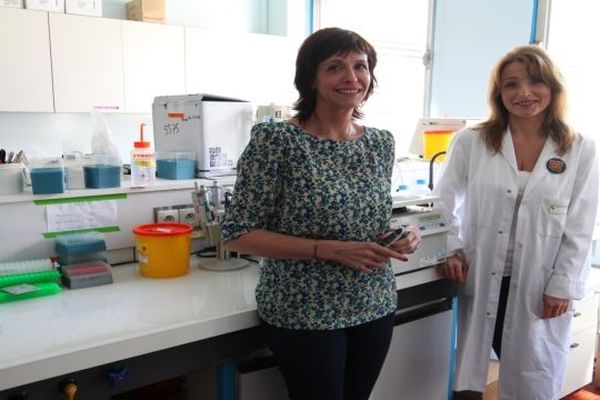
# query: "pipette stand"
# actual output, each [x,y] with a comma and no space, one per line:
[212,230]
[223,261]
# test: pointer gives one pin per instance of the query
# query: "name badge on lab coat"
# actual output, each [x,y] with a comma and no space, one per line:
[557,209]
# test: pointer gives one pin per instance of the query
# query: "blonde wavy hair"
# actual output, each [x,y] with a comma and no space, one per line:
[539,65]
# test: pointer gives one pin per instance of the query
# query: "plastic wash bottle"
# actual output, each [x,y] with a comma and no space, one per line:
[143,162]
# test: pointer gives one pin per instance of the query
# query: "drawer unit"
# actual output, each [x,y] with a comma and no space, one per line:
[584,329]
[580,365]
[585,314]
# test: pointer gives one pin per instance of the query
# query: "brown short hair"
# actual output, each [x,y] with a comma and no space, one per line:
[317,48]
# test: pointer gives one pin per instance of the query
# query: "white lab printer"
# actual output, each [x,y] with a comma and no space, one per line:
[216,128]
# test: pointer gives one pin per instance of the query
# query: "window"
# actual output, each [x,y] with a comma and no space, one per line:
[571,32]
[399,30]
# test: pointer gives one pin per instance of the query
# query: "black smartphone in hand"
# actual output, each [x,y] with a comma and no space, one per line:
[390,238]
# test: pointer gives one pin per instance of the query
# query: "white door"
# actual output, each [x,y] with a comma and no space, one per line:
[87,63]
[25,71]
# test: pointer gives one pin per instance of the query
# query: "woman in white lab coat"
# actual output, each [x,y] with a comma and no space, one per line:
[520,191]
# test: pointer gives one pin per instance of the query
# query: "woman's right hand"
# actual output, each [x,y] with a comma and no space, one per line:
[455,269]
[361,256]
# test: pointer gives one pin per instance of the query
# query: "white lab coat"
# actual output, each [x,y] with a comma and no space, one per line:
[556,218]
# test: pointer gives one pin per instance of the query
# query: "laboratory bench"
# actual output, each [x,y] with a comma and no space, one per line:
[112,338]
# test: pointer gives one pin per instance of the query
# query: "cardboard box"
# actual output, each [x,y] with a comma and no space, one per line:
[46,5]
[84,7]
[11,3]
[146,10]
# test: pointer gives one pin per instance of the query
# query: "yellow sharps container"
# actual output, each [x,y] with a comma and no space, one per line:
[163,249]
[434,142]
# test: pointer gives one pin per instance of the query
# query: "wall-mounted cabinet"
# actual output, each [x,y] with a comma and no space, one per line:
[87,63]
[254,67]
[25,71]
[154,63]
[72,63]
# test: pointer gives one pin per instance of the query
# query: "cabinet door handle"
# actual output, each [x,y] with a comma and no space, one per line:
[573,345]
[577,314]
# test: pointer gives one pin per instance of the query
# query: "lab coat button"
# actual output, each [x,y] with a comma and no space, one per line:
[509,191]
[501,232]
[493,274]
[488,313]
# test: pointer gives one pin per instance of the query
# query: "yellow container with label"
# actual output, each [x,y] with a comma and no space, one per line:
[163,249]
[435,142]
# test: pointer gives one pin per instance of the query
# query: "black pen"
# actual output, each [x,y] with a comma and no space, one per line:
[2,156]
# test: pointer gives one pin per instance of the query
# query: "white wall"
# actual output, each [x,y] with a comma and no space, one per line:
[236,15]
[44,134]
[274,17]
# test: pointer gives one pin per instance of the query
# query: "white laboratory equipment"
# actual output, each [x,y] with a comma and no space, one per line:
[216,128]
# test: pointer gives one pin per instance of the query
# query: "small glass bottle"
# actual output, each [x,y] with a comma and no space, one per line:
[143,162]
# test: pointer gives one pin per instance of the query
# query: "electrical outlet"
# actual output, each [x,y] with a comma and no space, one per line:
[169,215]
[188,215]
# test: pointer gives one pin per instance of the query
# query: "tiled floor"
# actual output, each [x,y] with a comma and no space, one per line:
[590,392]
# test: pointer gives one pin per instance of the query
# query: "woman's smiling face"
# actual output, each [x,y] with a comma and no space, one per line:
[342,80]
[524,95]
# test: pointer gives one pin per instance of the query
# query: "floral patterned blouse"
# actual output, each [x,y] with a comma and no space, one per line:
[294,183]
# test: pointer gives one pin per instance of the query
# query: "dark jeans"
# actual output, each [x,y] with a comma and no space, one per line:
[496,342]
[341,364]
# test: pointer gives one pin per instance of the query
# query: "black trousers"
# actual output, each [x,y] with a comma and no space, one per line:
[497,341]
[341,364]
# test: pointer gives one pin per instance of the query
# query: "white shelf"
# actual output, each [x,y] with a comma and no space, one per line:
[160,185]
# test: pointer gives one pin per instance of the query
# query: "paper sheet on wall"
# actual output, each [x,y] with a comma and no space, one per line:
[89,214]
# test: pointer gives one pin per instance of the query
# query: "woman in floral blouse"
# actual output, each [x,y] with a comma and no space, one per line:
[313,198]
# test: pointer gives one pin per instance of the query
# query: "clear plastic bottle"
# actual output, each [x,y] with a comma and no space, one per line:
[143,162]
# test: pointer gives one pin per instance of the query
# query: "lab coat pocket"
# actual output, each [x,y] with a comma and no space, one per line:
[552,216]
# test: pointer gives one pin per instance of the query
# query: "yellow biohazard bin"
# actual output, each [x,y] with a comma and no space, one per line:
[163,249]
[435,142]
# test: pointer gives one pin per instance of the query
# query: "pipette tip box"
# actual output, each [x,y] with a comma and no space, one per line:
[88,274]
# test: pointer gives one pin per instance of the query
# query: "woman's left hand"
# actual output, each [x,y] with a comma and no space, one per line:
[554,307]
[409,244]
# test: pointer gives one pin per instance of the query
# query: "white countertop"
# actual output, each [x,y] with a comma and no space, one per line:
[78,329]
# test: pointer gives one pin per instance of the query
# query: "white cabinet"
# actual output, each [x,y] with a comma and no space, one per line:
[87,63]
[72,63]
[580,365]
[25,71]
[254,67]
[153,63]
[417,366]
